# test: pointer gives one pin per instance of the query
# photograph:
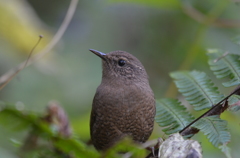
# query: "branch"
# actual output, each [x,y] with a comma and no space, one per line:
[200,17]
[23,66]
[11,73]
[217,109]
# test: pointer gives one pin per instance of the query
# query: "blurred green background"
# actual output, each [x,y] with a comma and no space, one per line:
[165,35]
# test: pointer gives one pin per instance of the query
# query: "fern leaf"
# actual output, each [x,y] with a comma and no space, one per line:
[215,129]
[226,150]
[197,88]
[172,115]
[234,103]
[226,66]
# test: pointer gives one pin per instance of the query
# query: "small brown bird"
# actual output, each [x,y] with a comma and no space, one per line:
[124,103]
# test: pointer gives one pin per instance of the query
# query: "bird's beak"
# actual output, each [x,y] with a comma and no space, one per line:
[100,54]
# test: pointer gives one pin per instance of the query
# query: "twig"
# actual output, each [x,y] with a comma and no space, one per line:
[22,66]
[221,103]
[73,4]
[200,17]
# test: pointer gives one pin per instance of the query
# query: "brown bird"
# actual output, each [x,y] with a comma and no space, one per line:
[124,103]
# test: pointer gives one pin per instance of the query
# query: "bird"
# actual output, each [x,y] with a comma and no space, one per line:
[124,103]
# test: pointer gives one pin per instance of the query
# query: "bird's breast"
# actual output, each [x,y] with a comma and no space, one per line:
[121,102]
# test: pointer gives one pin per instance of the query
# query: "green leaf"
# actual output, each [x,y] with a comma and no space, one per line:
[226,150]
[215,129]
[15,142]
[74,147]
[21,120]
[197,88]
[172,115]
[165,4]
[13,117]
[125,145]
[227,66]
[43,152]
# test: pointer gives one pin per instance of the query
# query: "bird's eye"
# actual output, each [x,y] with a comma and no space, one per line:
[121,62]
